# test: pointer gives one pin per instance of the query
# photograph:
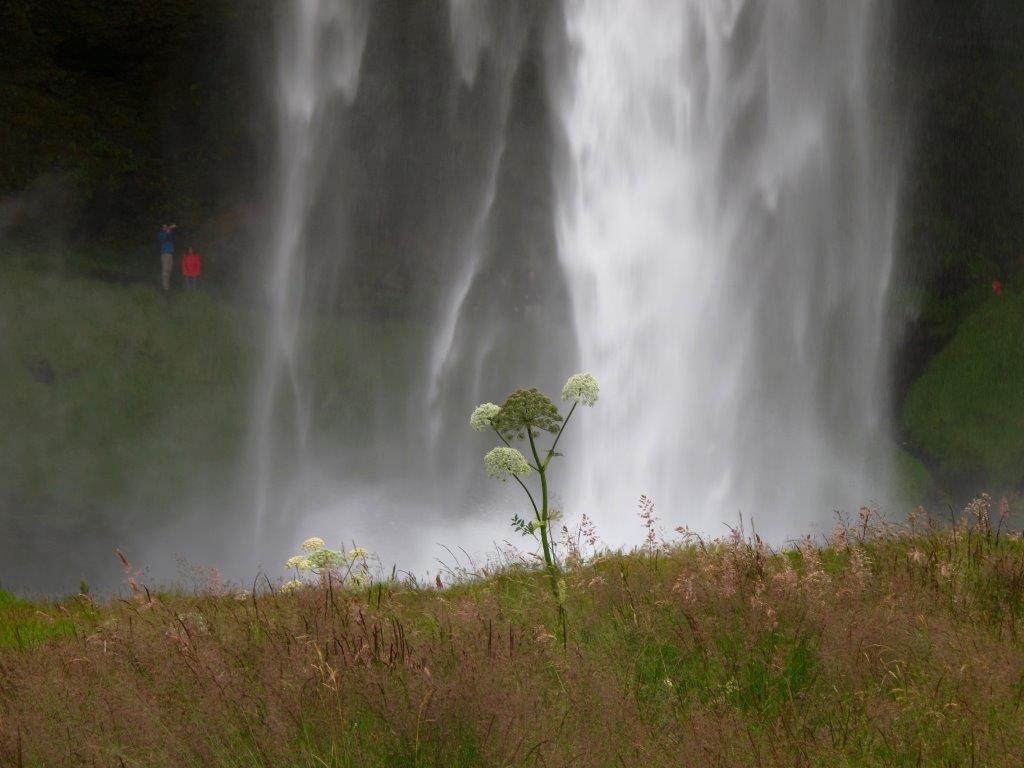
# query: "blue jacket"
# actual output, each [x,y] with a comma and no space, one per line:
[166,238]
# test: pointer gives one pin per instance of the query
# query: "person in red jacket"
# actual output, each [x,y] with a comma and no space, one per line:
[191,266]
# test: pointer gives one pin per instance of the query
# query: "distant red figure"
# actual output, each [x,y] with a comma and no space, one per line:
[191,266]
[997,288]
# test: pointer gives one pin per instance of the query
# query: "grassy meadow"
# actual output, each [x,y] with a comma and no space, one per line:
[884,646]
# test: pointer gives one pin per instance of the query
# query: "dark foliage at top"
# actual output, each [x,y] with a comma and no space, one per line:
[113,115]
[960,67]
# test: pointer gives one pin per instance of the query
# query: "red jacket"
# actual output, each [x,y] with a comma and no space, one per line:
[190,264]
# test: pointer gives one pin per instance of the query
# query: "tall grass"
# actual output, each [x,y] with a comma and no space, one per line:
[884,646]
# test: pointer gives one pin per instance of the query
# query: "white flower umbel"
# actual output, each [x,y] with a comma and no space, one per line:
[313,544]
[298,563]
[482,415]
[291,586]
[581,388]
[502,461]
[325,559]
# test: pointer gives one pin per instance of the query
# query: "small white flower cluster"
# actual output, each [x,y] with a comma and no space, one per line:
[326,559]
[351,566]
[195,621]
[503,461]
[482,415]
[582,388]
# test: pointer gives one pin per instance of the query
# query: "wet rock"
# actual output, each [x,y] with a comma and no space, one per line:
[42,371]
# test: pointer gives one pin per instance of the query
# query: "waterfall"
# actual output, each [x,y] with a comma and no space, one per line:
[412,173]
[321,50]
[703,190]
[728,231]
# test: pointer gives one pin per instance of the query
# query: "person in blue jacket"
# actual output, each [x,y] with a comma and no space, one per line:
[166,238]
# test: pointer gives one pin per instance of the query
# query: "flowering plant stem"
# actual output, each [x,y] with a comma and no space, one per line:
[525,414]
[542,513]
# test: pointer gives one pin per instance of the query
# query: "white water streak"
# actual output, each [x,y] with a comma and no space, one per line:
[728,236]
[320,57]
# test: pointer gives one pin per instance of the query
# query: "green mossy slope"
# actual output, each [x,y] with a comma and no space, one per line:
[966,412]
[91,371]
[121,402]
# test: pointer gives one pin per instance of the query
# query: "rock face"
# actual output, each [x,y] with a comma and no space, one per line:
[41,371]
[963,77]
[112,115]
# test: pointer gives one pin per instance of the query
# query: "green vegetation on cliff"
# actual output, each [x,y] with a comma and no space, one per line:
[966,412]
[91,372]
[116,114]
[122,405]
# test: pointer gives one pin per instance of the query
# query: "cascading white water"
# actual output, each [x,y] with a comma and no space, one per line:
[321,50]
[724,228]
[728,232]
[376,177]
